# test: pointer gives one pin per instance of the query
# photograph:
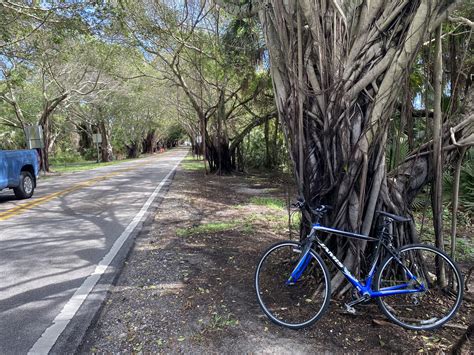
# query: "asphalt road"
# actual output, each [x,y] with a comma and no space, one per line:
[60,250]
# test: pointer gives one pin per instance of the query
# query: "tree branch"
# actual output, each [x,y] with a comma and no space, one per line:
[463,20]
[260,120]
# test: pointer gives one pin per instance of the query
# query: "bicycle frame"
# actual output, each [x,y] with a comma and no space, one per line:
[364,287]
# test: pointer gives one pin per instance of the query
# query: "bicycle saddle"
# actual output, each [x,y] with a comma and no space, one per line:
[394,216]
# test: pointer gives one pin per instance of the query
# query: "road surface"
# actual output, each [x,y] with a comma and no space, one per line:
[60,250]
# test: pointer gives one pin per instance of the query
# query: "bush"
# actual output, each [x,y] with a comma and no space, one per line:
[66,157]
[466,184]
[89,153]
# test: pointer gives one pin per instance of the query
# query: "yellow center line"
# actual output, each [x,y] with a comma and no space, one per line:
[36,202]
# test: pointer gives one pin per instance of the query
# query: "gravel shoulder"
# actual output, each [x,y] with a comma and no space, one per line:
[187,285]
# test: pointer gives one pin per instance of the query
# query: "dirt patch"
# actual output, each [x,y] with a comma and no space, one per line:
[188,284]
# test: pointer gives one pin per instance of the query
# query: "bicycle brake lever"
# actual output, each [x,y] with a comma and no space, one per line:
[300,203]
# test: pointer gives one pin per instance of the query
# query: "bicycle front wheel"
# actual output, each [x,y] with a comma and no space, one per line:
[292,304]
[438,286]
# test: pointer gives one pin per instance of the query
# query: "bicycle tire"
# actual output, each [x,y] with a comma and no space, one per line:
[429,309]
[280,300]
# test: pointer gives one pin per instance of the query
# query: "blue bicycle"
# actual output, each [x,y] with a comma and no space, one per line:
[416,286]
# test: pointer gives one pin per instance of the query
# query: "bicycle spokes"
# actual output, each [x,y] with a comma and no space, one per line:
[428,295]
[297,300]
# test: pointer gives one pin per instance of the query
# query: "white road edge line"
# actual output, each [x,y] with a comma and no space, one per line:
[49,337]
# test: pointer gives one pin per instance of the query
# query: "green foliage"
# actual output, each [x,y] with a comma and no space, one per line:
[66,157]
[11,139]
[171,131]
[464,242]
[394,157]
[89,153]
[255,151]
[242,43]
[73,54]
[464,249]
[421,201]
[417,77]
[466,183]
[466,188]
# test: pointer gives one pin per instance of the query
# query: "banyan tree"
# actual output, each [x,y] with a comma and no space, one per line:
[337,69]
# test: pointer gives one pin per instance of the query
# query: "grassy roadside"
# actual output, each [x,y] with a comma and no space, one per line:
[90,164]
[81,166]
[189,163]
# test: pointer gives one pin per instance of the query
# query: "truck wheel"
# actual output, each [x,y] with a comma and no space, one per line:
[26,187]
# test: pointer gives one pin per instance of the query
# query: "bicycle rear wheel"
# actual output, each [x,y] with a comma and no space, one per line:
[292,305]
[441,280]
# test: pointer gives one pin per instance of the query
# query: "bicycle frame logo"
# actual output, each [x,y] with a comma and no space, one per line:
[335,259]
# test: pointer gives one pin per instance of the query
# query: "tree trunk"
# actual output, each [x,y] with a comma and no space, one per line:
[406,121]
[453,73]
[150,142]
[275,158]
[204,142]
[133,150]
[45,123]
[355,60]
[221,152]
[44,120]
[106,151]
[437,187]
[220,157]
[299,95]
[219,144]
[266,130]
[240,158]
[409,118]
[454,212]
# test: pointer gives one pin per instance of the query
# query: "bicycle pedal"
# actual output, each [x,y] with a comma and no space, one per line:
[350,309]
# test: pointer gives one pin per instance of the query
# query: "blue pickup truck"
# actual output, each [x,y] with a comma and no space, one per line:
[19,170]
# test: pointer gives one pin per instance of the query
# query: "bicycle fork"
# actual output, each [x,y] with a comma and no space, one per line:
[301,266]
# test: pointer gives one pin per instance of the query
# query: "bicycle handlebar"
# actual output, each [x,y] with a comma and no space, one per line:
[300,203]
[320,210]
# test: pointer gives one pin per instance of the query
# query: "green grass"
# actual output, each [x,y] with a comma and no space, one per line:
[246,226]
[81,166]
[191,164]
[206,228]
[271,202]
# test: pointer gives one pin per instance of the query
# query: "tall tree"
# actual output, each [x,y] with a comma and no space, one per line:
[59,78]
[212,61]
[356,55]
